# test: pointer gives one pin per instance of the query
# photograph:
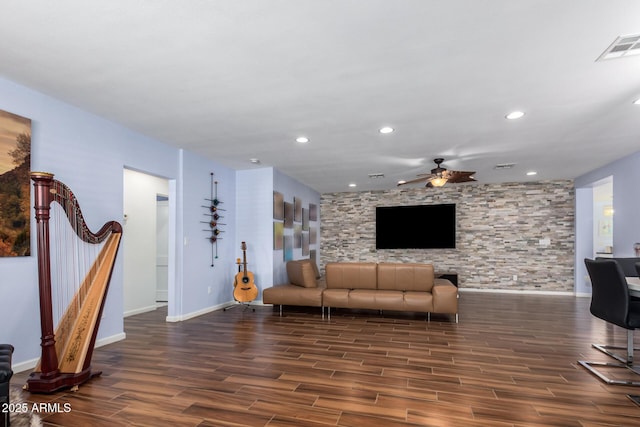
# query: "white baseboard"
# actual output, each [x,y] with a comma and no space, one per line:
[140,310]
[25,366]
[583,295]
[206,310]
[110,340]
[513,291]
[28,365]
[181,317]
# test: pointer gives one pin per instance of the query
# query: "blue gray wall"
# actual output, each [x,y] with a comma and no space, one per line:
[290,189]
[625,174]
[89,153]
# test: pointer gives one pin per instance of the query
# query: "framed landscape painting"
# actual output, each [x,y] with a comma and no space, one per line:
[15,165]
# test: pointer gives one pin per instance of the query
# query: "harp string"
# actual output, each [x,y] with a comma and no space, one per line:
[72,262]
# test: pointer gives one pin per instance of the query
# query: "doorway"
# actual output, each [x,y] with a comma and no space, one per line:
[594,228]
[145,242]
[603,218]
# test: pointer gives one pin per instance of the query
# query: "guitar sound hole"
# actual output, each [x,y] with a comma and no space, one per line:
[245,280]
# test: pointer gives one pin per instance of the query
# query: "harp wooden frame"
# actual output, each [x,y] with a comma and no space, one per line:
[66,353]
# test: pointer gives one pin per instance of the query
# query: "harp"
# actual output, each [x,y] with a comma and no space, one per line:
[75,290]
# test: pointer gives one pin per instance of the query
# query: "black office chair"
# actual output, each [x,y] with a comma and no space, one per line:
[628,265]
[610,301]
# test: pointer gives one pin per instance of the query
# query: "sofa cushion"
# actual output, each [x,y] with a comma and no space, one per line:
[375,299]
[351,275]
[335,298]
[301,274]
[292,295]
[378,300]
[405,277]
[418,301]
[316,270]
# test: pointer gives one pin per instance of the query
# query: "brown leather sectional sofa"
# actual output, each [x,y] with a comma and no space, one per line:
[365,285]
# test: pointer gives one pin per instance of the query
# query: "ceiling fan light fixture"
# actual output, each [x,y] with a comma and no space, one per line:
[514,115]
[440,176]
[438,181]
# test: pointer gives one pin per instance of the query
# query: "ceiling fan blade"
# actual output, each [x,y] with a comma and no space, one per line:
[460,176]
[421,179]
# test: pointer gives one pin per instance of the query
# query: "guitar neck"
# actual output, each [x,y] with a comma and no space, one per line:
[244,262]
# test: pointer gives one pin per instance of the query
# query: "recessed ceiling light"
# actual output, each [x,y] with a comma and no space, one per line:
[531,173]
[386,129]
[514,115]
[352,185]
[302,139]
[637,101]
[402,182]
[254,161]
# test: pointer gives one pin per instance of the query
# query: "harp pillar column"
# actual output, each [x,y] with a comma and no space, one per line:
[42,183]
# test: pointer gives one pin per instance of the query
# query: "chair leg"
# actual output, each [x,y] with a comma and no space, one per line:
[630,347]
[623,362]
[628,359]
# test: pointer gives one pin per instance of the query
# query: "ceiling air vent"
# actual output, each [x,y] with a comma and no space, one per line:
[504,166]
[622,46]
[376,175]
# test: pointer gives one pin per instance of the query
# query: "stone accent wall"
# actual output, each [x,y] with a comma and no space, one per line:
[499,228]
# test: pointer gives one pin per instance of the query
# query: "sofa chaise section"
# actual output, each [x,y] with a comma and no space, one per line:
[303,289]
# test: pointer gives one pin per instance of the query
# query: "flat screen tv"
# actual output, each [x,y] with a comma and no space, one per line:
[416,227]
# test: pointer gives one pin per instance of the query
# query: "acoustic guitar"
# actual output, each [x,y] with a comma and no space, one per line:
[245,289]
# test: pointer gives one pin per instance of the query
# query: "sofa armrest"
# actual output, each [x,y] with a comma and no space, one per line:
[6,350]
[445,296]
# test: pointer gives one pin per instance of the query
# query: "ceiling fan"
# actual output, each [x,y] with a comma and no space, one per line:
[439,176]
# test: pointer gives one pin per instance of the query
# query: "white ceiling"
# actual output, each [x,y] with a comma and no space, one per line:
[241,79]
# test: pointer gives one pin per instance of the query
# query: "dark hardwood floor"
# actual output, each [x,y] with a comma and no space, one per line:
[511,361]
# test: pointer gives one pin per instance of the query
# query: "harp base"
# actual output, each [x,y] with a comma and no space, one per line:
[37,384]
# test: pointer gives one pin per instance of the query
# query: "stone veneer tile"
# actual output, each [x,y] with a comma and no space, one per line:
[498,231]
